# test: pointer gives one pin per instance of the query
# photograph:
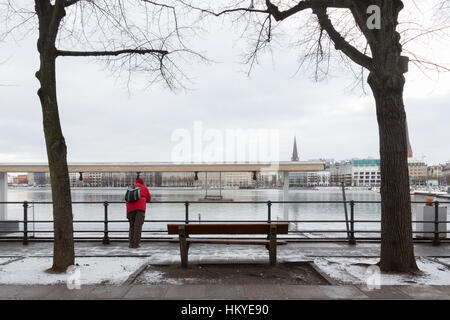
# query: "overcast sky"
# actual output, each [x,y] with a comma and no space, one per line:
[103,121]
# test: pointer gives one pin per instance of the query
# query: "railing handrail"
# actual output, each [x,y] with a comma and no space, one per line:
[220,201]
[350,233]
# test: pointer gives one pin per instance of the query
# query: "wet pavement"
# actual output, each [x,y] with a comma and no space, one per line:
[167,253]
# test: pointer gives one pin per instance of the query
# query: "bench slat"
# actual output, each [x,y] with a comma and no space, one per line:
[262,242]
[215,228]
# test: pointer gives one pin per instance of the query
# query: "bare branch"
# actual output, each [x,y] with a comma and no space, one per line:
[274,11]
[68,3]
[67,53]
[223,12]
[339,42]
[306,4]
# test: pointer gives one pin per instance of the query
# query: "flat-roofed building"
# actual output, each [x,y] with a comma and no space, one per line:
[177,179]
[227,179]
[21,179]
[418,171]
[366,172]
[340,171]
[446,173]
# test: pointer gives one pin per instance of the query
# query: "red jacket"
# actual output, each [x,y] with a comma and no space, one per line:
[141,203]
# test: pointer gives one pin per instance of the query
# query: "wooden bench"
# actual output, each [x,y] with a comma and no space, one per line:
[269,229]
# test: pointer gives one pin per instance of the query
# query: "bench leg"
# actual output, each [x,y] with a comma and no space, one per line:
[183,246]
[273,245]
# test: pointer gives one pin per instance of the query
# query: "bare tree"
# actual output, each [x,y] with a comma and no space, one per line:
[129,35]
[365,34]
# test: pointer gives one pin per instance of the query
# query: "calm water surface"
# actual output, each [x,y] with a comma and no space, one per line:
[206,211]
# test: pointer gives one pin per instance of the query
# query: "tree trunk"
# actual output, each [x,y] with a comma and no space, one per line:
[397,250]
[63,251]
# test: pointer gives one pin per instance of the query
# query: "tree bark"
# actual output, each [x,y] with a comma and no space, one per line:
[387,83]
[397,250]
[63,251]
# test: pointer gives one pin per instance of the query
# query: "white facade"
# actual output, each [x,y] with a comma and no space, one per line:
[366,172]
[340,171]
[237,179]
[310,179]
[323,178]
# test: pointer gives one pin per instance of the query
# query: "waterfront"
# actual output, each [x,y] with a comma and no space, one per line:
[206,211]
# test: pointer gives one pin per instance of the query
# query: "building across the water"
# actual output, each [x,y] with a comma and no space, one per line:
[20,179]
[366,172]
[418,172]
[446,173]
[176,179]
[309,179]
[340,172]
[435,173]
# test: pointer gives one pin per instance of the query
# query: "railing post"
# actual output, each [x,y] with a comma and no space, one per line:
[352,240]
[269,211]
[436,240]
[105,229]
[186,205]
[25,223]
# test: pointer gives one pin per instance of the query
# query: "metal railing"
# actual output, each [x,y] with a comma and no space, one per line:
[106,232]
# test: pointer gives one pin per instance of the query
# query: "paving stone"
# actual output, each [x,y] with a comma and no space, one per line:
[239,292]
[424,292]
[61,292]
[146,292]
[187,291]
[343,292]
[224,292]
[263,291]
[302,292]
[108,292]
[9,291]
[24,292]
[444,289]
[385,292]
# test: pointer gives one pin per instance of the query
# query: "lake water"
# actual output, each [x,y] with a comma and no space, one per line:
[205,211]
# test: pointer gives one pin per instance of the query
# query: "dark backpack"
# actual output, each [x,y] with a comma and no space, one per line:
[133,194]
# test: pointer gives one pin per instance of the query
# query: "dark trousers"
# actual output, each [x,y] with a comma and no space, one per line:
[136,219]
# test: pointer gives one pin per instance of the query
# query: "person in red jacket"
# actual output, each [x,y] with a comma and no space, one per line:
[136,214]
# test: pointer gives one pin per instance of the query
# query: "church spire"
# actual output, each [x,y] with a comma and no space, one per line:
[294,151]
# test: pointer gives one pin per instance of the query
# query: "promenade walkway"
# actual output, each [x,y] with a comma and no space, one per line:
[213,292]
[109,271]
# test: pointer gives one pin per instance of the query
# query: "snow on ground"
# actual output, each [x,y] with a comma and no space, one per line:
[158,277]
[360,270]
[96,267]
[90,270]
[445,261]
[4,260]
